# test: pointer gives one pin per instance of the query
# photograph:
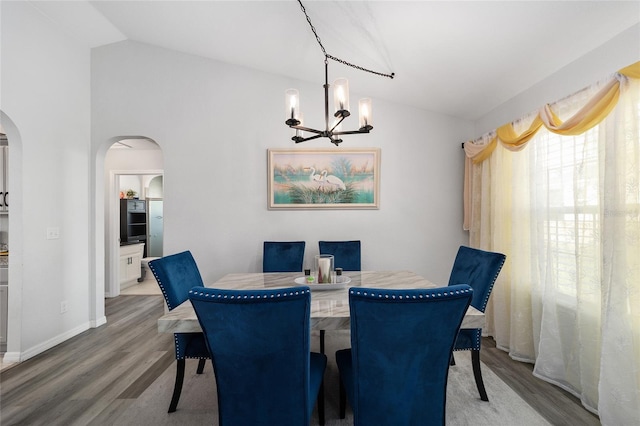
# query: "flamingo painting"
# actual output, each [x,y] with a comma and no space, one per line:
[313,176]
[316,178]
[345,179]
[333,180]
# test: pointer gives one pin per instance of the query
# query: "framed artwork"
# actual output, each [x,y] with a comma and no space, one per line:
[324,178]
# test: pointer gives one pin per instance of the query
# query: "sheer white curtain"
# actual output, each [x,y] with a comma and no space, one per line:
[566,212]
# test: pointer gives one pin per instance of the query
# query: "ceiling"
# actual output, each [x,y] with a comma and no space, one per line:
[461,59]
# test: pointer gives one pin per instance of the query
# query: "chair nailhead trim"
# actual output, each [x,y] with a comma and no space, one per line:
[243,295]
[486,299]
[478,342]
[425,295]
[164,292]
[178,356]
[175,337]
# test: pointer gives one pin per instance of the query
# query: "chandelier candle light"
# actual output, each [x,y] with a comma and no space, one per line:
[340,102]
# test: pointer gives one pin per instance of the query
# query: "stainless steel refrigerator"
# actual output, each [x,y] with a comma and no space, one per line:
[155,227]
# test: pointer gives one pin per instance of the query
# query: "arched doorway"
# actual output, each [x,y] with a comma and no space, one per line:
[122,163]
[12,228]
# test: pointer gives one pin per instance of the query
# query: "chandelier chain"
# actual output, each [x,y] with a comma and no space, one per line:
[327,56]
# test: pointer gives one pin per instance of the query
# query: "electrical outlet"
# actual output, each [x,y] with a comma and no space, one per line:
[53,233]
[64,306]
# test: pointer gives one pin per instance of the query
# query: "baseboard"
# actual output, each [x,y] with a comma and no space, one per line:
[38,349]
[97,323]
[11,357]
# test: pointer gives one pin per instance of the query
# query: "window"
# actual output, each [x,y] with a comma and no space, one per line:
[566,189]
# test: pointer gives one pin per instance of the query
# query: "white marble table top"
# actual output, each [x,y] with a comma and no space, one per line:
[329,308]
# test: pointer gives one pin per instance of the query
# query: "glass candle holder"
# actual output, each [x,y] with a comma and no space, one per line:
[324,268]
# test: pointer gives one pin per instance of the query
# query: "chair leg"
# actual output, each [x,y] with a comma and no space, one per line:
[321,392]
[321,404]
[343,401]
[177,388]
[201,363]
[475,362]
[452,361]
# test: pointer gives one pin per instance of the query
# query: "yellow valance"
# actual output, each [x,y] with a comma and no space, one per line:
[589,116]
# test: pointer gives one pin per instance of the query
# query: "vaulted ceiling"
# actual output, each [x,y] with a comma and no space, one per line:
[457,58]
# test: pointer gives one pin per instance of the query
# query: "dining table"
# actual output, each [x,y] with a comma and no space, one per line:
[329,302]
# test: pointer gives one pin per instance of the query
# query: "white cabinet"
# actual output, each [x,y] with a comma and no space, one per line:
[130,263]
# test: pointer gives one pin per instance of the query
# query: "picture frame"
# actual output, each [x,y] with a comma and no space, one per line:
[323,178]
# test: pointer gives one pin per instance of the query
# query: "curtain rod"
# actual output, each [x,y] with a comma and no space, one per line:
[487,134]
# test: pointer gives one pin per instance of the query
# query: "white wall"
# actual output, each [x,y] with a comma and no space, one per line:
[600,63]
[215,122]
[45,93]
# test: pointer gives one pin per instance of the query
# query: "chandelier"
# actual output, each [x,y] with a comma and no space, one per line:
[334,130]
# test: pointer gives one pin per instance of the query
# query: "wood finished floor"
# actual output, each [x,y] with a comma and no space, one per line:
[89,378]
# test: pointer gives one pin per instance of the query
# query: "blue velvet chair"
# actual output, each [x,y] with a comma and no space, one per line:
[346,254]
[283,256]
[401,341]
[479,269]
[176,274]
[259,342]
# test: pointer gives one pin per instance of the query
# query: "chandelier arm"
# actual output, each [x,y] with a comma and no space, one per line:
[323,133]
[352,132]
[336,125]
[298,139]
[308,129]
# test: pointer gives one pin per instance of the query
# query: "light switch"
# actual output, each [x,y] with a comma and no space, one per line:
[53,233]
